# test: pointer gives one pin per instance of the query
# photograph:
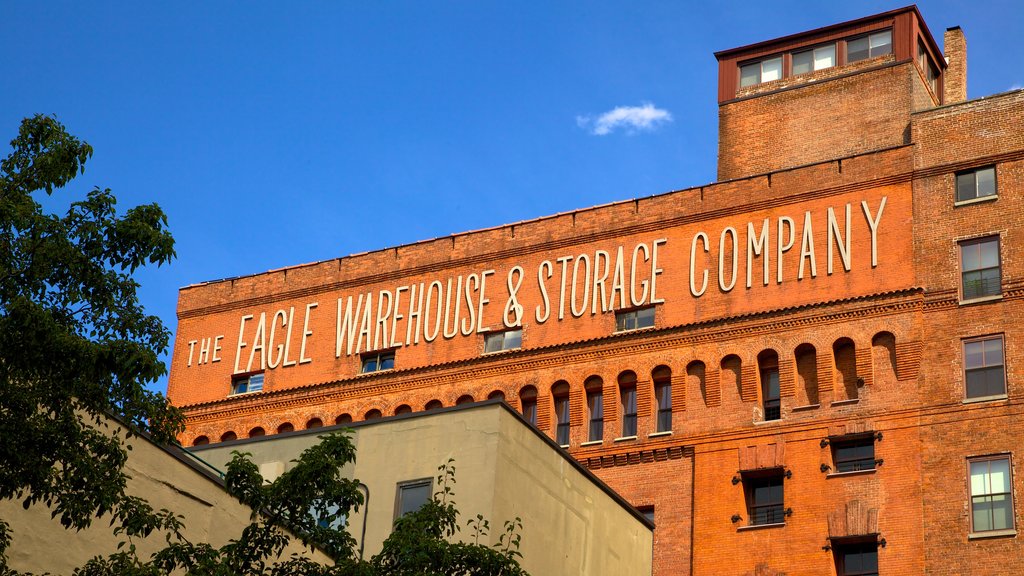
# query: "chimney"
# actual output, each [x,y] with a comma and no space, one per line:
[955,80]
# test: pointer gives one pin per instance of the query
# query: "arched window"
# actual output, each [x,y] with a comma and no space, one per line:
[594,387]
[257,432]
[560,394]
[496,394]
[662,377]
[314,423]
[464,399]
[343,419]
[286,427]
[807,373]
[201,441]
[228,436]
[627,393]
[372,414]
[771,401]
[846,369]
[403,409]
[434,405]
[528,402]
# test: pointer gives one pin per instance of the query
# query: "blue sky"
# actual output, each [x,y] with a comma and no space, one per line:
[275,134]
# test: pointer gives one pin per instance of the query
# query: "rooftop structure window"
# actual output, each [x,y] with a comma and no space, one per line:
[976,184]
[869,46]
[984,372]
[248,383]
[506,340]
[634,319]
[378,361]
[814,59]
[931,74]
[979,268]
[762,71]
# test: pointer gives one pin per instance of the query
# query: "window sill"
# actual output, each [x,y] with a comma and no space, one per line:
[986,398]
[988,198]
[806,408]
[981,300]
[763,422]
[659,434]
[372,372]
[631,330]
[565,446]
[846,402]
[625,438]
[591,443]
[991,534]
[246,393]
[502,351]
[852,473]
[760,526]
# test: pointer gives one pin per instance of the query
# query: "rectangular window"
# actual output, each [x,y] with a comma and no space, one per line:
[629,411]
[595,405]
[815,59]
[562,416]
[378,361]
[507,340]
[979,268]
[869,46]
[977,183]
[930,73]
[770,393]
[991,495]
[411,496]
[250,383]
[634,319]
[765,499]
[663,394]
[984,373]
[758,72]
[860,559]
[853,454]
[530,410]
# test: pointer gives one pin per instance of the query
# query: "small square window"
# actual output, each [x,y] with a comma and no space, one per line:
[984,372]
[853,454]
[250,383]
[634,319]
[507,340]
[765,504]
[762,71]
[856,559]
[980,268]
[991,494]
[974,184]
[869,46]
[412,495]
[378,361]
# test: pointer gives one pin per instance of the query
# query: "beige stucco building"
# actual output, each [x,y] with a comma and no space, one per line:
[505,468]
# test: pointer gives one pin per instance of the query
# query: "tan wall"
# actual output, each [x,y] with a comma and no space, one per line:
[503,470]
[41,544]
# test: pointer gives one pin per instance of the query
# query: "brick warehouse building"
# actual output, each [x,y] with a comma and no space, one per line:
[814,360]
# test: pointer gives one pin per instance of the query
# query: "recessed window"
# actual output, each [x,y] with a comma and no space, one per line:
[627,392]
[634,319]
[507,340]
[931,75]
[560,393]
[250,383]
[378,361]
[764,494]
[595,408]
[974,184]
[412,495]
[758,72]
[869,46]
[856,559]
[814,59]
[984,373]
[771,402]
[853,454]
[662,377]
[991,495]
[979,268]
[528,402]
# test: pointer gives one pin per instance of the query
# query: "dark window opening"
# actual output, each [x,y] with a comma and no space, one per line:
[250,383]
[977,183]
[662,377]
[634,319]
[507,340]
[857,559]
[561,397]
[853,454]
[378,361]
[764,494]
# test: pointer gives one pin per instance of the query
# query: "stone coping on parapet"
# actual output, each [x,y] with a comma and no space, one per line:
[865,170]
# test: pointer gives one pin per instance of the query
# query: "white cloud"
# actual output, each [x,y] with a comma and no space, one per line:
[631,118]
[1016,86]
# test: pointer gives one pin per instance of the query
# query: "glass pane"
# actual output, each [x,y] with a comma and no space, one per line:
[999,476]
[989,254]
[857,49]
[1001,513]
[881,43]
[370,365]
[771,69]
[256,383]
[994,381]
[750,74]
[825,57]
[993,351]
[762,495]
[986,182]
[513,340]
[974,354]
[803,62]
[530,412]
[852,563]
[965,186]
[413,497]
[386,362]
[645,318]
[772,384]
[982,515]
[979,478]
[492,343]
[970,257]
[869,560]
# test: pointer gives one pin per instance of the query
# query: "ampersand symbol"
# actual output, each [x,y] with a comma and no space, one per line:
[513,307]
